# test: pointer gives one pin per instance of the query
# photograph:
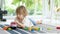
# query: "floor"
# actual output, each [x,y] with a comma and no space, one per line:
[43,29]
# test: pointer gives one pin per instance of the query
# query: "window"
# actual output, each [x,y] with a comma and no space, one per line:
[57,9]
[49,8]
[34,7]
[57,3]
[49,4]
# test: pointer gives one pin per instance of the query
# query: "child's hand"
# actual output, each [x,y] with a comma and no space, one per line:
[21,26]
[39,22]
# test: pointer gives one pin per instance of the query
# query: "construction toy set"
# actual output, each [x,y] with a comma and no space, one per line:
[13,26]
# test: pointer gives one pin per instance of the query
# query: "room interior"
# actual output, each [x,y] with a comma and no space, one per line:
[47,11]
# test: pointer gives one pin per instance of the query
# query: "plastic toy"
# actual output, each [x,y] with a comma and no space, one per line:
[57,27]
[9,28]
[13,25]
[2,12]
[30,28]
[36,28]
[26,28]
[5,27]
[49,28]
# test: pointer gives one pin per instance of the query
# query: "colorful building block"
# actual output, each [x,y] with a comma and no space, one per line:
[5,27]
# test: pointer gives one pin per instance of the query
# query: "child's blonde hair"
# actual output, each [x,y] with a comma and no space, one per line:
[21,9]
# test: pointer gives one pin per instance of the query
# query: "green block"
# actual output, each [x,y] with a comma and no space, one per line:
[26,28]
[38,29]
[9,29]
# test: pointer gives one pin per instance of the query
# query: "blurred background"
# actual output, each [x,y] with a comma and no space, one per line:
[45,9]
[34,7]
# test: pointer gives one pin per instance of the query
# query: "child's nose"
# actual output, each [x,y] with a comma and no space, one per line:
[21,16]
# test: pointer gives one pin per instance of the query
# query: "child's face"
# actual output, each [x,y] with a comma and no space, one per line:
[21,17]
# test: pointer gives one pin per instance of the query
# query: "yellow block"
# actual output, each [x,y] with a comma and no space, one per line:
[35,28]
[30,28]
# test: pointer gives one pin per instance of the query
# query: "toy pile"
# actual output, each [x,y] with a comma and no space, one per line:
[33,28]
[13,26]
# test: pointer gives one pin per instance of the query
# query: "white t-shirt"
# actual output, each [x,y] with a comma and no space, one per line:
[27,22]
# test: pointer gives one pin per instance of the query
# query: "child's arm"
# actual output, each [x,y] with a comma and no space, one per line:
[20,24]
[35,22]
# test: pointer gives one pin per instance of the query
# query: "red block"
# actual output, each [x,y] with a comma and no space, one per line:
[57,27]
[13,24]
